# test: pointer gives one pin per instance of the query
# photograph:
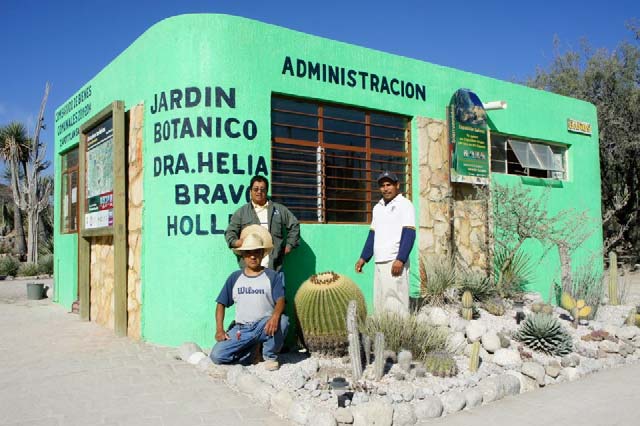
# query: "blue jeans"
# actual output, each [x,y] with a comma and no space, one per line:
[240,347]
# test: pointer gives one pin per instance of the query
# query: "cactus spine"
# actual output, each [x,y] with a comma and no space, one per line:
[579,309]
[354,340]
[378,361]
[441,364]
[474,360]
[321,306]
[613,278]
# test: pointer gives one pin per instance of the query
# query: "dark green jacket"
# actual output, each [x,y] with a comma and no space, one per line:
[283,227]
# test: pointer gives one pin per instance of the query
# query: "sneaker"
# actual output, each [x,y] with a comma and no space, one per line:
[270,365]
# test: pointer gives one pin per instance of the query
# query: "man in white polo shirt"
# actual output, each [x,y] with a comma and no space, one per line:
[390,240]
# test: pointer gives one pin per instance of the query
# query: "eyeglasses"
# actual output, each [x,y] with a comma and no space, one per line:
[259,190]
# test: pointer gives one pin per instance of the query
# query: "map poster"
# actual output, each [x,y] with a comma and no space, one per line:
[468,139]
[100,175]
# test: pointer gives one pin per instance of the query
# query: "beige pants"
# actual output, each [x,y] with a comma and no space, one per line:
[390,293]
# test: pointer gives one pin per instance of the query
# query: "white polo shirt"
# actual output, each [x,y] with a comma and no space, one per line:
[388,221]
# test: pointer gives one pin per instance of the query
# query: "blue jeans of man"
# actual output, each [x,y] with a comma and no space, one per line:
[243,338]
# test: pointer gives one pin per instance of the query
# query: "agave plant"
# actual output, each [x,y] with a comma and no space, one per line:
[513,271]
[544,333]
[477,283]
[438,279]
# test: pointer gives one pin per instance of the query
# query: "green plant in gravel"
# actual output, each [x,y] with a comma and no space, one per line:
[477,283]
[321,307]
[495,306]
[28,270]
[405,332]
[588,285]
[544,333]
[441,364]
[438,279]
[9,266]
[512,273]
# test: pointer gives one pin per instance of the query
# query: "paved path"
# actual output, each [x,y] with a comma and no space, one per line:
[57,370]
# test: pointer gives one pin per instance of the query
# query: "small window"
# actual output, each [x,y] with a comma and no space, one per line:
[527,158]
[326,157]
[69,182]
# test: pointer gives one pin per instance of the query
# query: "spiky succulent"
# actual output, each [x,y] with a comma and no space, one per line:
[321,306]
[495,306]
[441,364]
[544,333]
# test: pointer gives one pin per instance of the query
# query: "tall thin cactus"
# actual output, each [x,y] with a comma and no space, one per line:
[354,340]
[613,279]
[474,359]
[378,349]
[366,343]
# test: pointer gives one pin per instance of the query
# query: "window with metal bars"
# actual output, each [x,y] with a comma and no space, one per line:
[325,158]
[516,156]
[69,182]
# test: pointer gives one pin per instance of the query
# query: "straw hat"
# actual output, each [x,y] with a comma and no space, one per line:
[255,237]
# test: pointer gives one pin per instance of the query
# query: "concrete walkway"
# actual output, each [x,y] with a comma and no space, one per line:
[57,370]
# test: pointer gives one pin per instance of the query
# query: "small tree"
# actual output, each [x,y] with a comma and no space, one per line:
[31,194]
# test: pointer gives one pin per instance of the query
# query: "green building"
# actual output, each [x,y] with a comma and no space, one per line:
[156,151]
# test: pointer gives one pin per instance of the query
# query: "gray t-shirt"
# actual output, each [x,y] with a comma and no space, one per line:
[254,297]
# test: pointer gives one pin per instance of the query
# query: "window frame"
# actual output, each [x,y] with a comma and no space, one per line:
[510,164]
[66,179]
[324,150]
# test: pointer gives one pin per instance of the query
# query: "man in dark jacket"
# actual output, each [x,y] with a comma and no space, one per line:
[276,218]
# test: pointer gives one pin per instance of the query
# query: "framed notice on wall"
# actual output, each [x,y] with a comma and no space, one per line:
[468,139]
[101,148]
[100,178]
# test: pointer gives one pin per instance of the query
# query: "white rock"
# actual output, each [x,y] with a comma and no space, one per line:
[187,349]
[320,417]
[439,317]
[299,412]
[457,324]
[247,382]
[553,369]
[453,401]
[196,357]
[508,358]
[473,397]
[474,330]
[428,408]
[613,315]
[403,415]
[570,373]
[373,413]
[510,384]
[527,384]
[263,393]
[609,346]
[204,364]
[234,373]
[310,366]
[490,341]
[281,402]
[343,415]
[491,389]
[628,332]
[533,370]
[456,342]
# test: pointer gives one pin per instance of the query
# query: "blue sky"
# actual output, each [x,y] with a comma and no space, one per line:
[68,42]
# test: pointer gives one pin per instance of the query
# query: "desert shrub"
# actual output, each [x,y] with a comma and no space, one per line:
[9,266]
[512,276]
[45,264]
[588,285]
[28,269]
[405,332]
[477,283]
[437,280]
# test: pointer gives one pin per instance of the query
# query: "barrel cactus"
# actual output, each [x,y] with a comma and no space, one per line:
[544,333]
[441,364]
[321,306]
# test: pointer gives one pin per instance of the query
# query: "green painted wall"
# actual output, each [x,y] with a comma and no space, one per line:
[182,274]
